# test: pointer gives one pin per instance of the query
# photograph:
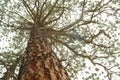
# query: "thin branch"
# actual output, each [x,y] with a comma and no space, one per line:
[55,18]
[41,10]
[77,21]
[94,36]
[50,11]
[100,45]
[80,19]
[98,7]
[8,69]
[105,68]
[96,57]
[29,10]
[38,7]
[3,63]
[71,49]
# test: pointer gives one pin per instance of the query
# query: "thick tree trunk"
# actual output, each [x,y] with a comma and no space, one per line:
[42,63]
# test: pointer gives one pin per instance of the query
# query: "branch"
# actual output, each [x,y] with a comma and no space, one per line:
[49,11]
[105,68]
[77,21]
[55,18]
[85,22]
[71,49]
[29,10]
[3,63]
[93,37]
[41,10]
[9,70]
[38,7]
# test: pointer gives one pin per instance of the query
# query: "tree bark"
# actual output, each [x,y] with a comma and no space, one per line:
[41,63]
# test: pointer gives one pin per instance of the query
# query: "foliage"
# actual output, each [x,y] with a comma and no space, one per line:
[83,33]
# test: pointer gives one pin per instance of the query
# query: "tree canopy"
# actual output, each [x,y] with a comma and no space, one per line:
[84,34]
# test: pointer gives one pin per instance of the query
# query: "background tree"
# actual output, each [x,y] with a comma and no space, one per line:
[84,36]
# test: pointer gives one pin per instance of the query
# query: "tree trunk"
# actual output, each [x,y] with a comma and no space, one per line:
[42,63]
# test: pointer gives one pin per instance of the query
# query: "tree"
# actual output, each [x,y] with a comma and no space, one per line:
[41,62]
[57,39]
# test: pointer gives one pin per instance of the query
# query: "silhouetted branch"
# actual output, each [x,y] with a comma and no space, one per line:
[41,10]
[29,10]
[77,21]
[66,45]
[94,36]
[49,22]
[50,11]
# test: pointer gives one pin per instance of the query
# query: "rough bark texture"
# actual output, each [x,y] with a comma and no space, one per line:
[42,63]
